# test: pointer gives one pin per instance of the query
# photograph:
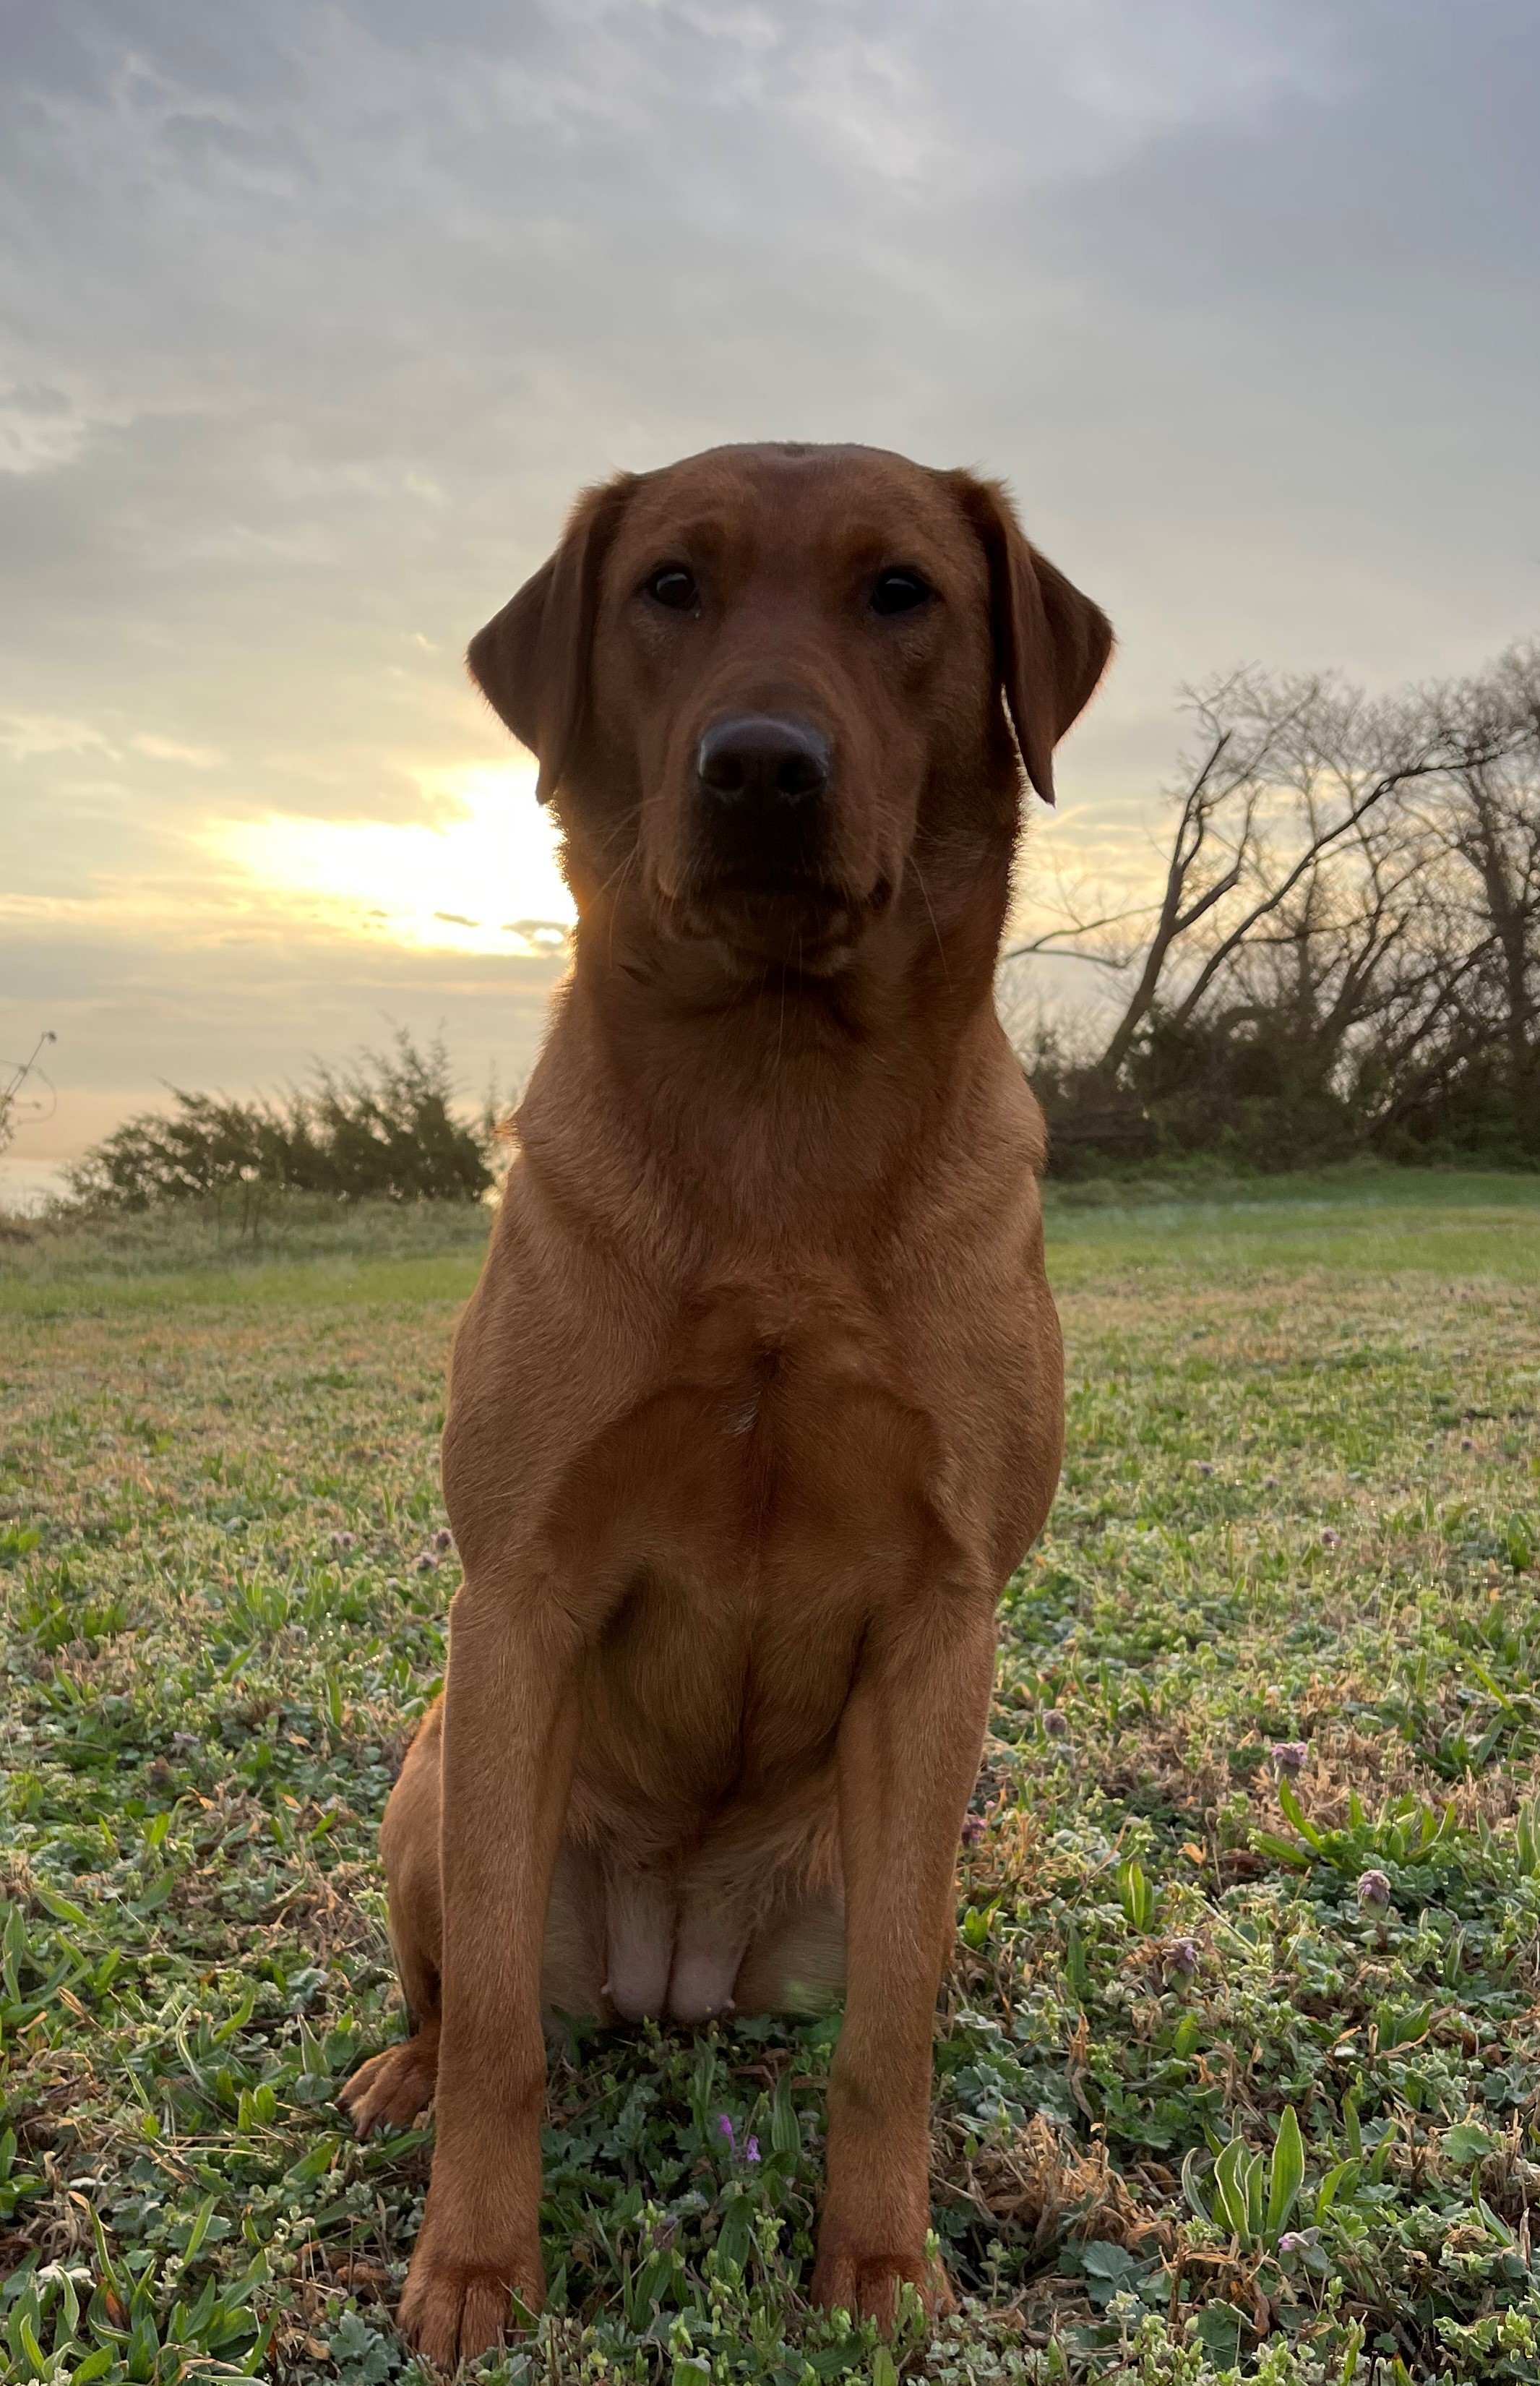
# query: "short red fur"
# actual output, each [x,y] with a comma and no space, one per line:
[758,1402]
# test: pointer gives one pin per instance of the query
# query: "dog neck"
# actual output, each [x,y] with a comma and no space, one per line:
[748,1094]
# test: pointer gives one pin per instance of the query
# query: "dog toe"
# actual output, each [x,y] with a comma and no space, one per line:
[867,2285]
[455,2317]
[391,2089]
[455,2311]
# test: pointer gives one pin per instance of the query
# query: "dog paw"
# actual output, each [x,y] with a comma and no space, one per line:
[867,2285]
[454,2311]
[391,2089]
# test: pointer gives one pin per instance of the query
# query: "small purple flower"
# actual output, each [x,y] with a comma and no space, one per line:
[973,1830]
[724,2129]
[1374,1892]
[751,2152]
[1269,1482]
[1205,1466]
[1181,1960]
[1297,2241]
[1055,1723]
[1466,1442]
[1290,1758]
[1329,1537]
[426,1563]
[345,1540]
[443,1538]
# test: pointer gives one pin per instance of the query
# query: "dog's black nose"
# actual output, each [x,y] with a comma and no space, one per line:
[757,757]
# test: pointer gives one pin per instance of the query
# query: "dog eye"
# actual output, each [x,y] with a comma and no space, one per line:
[900,592]
[674,585]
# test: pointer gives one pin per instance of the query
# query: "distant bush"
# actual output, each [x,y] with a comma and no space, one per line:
[384,1129]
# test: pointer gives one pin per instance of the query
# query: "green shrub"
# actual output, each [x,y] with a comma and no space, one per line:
[385,1129]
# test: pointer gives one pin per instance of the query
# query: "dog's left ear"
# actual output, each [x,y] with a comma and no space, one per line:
[1051,644]
[531,661]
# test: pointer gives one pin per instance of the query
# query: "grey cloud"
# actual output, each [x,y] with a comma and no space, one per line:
[312,320]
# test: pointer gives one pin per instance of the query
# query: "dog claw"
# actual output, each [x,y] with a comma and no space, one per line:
[391,2089]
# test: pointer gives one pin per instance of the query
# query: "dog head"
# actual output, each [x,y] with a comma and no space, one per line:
[760,682]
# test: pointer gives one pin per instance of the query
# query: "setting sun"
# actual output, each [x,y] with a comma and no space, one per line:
[487,880]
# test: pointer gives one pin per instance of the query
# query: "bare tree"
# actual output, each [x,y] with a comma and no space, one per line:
[1351,901]
[14,1078]
[1493,824]
[1241,724]
[1289,775]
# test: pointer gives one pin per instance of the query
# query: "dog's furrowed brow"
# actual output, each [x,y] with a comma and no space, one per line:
[696,538]
[889,538]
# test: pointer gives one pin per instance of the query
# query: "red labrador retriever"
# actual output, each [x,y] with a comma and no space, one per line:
[758,1402]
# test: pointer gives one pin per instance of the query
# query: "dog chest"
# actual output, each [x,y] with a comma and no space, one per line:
[773,1453]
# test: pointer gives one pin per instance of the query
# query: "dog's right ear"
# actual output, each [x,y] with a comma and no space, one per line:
[531,661]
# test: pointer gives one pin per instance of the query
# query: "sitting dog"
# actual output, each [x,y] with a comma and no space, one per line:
[760,1399]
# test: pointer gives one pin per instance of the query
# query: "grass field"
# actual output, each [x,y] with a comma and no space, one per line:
[1239,2058]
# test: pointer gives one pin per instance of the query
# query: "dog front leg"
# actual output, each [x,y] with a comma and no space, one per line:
[910,1745]
[510,1721]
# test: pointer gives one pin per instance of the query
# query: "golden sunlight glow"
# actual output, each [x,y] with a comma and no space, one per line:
[484,882]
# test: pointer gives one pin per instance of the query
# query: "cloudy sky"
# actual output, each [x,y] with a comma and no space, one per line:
[313,317]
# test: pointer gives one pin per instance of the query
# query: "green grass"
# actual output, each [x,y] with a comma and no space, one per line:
[1301,1505]
[221,1243]
[1358,1221]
